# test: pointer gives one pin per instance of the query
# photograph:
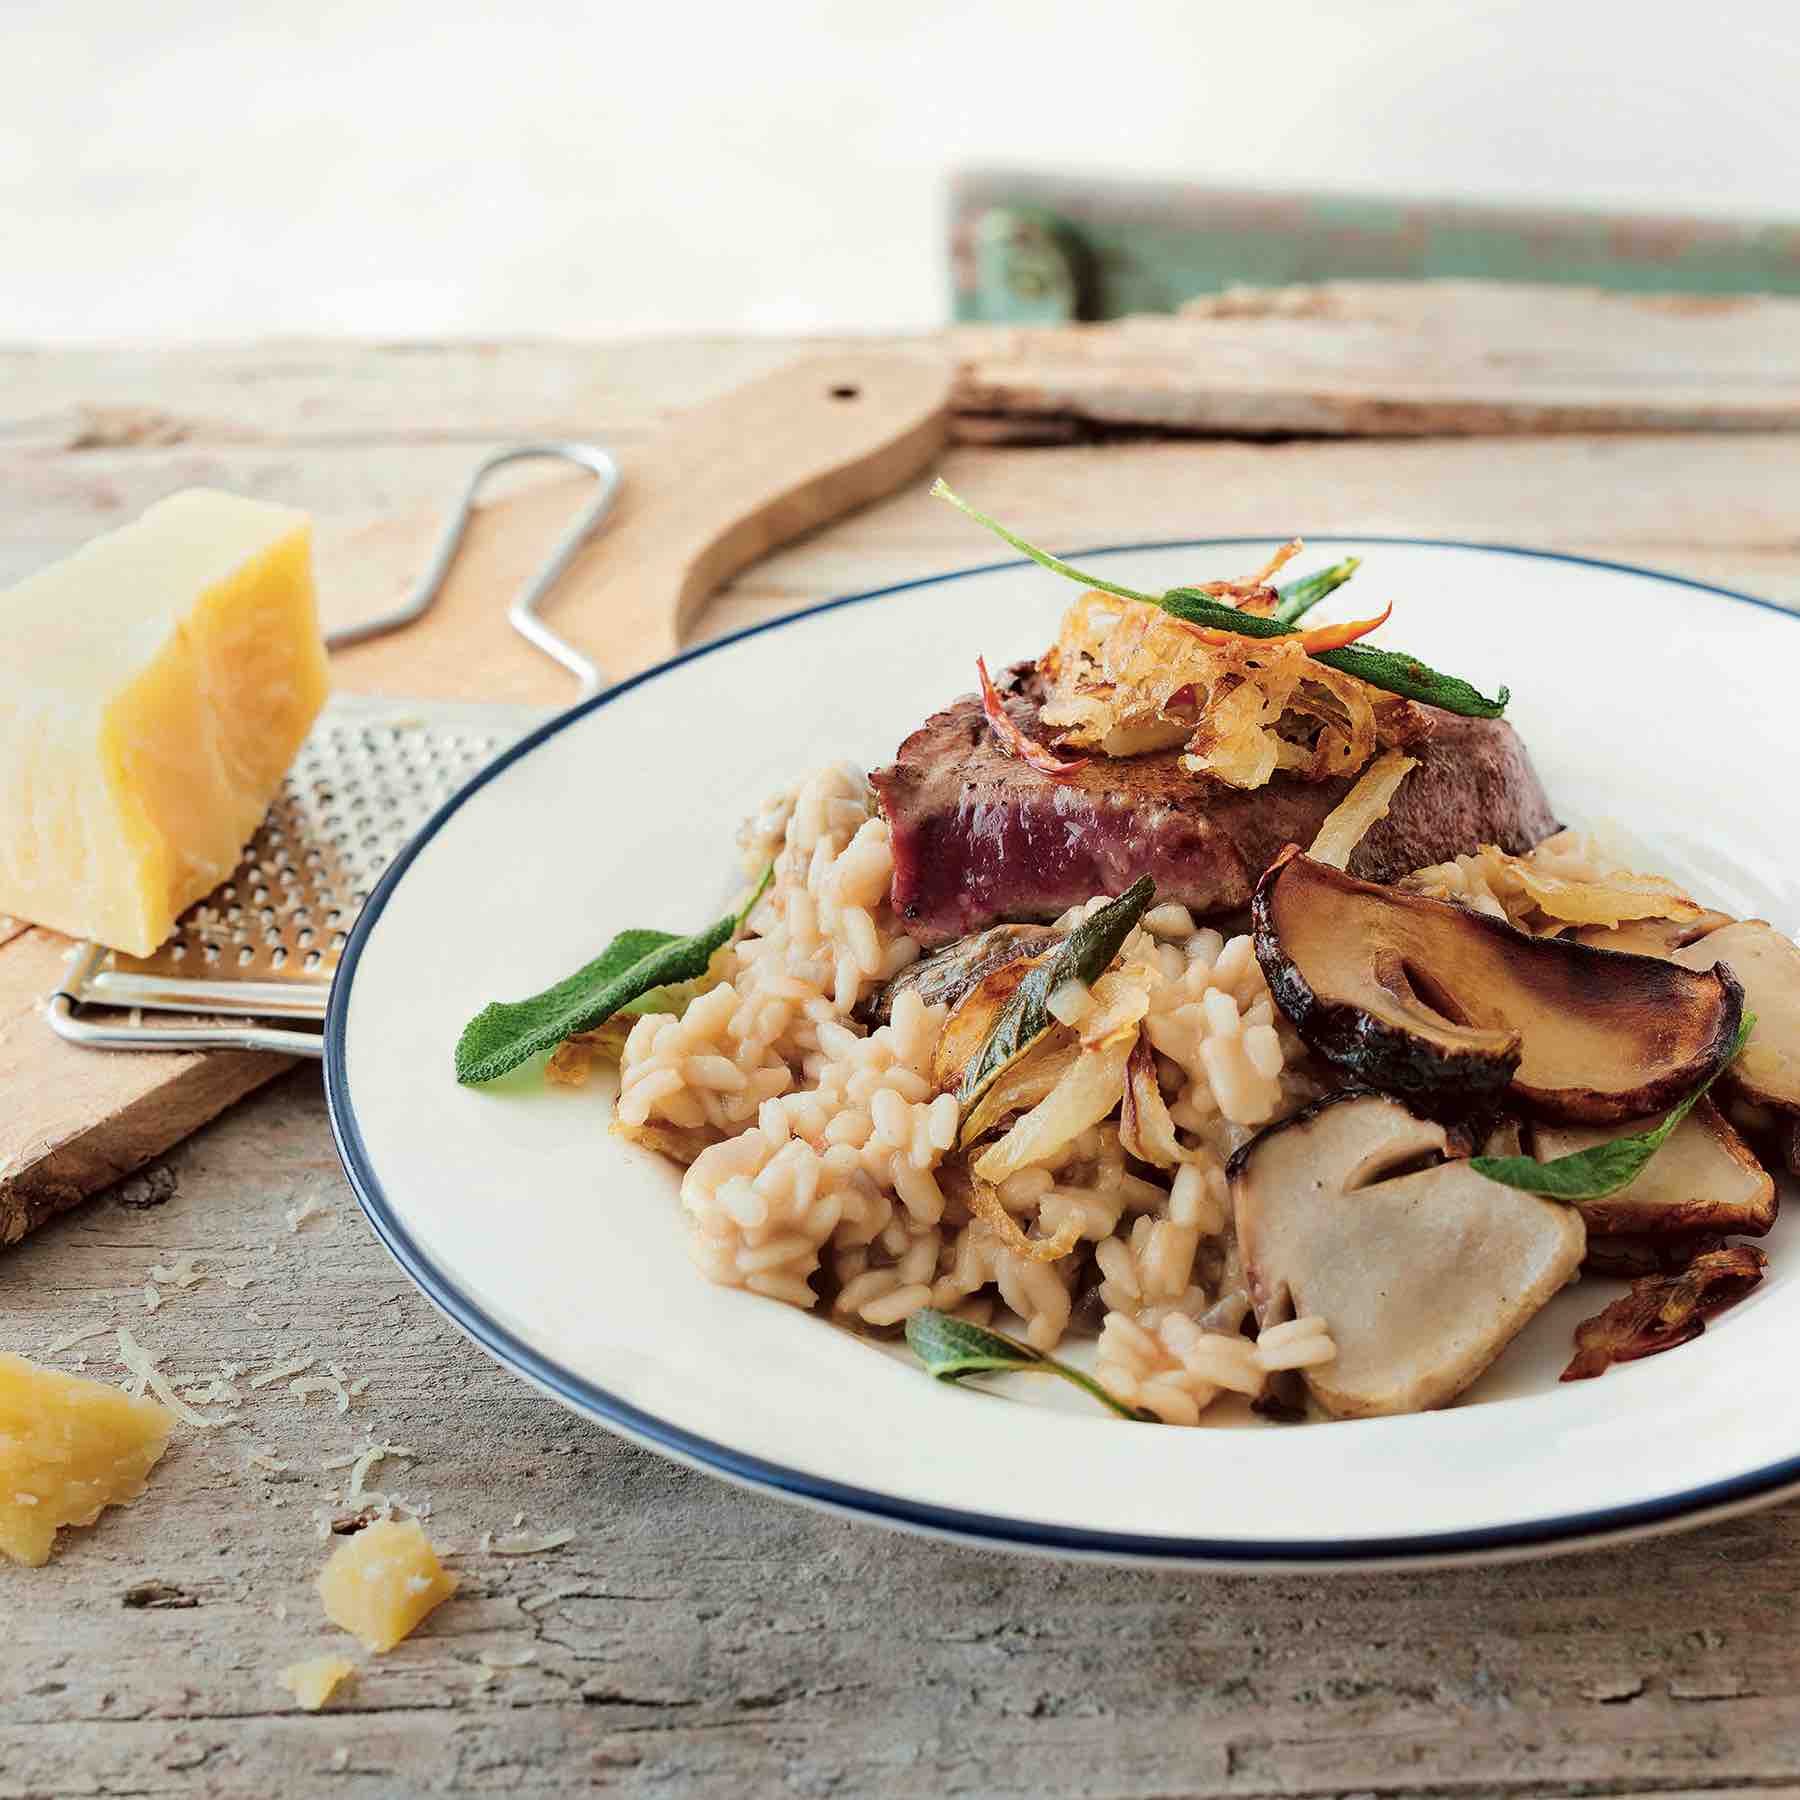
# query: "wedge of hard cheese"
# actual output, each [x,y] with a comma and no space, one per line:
[153,690]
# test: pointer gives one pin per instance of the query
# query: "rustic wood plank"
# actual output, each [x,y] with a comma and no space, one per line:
[1715,507]
[1402,359]
[1337,359]
[74,1122]
[317,394]
[696,1639]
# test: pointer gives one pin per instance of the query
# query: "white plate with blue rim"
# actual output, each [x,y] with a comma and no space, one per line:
[1645,699]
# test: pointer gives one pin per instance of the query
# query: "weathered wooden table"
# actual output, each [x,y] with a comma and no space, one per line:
[690,1637]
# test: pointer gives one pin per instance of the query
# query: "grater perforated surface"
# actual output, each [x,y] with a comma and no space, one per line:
[369,775]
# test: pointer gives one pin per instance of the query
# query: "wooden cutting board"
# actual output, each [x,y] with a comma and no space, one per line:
[717,489]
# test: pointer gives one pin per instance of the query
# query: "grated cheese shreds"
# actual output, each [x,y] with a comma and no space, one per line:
[217,1392]
[549,1597]
[143,1367]
[152,1299]
[506,1659]
[524,1543]
[369,1458]
[309,1208]
[79,1337]
[267,1462]
[185,1273]
[296,1365]
[1360,810]
[320,1384]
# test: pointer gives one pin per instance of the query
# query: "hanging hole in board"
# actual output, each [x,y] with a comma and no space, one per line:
[845,392]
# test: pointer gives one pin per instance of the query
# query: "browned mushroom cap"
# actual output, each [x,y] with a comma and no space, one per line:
[1704,1179]
[1453,1009]
[1422,1278]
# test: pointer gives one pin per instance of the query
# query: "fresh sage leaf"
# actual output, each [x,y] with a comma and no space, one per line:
[1025,1017]
[1390,670]
[506,1033]
[952,1349]
[1298,598]
[1194,606]
[1602,1169]
[1397,673]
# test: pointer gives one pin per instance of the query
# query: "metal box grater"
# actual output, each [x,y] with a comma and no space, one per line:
[265,944]
[258,954]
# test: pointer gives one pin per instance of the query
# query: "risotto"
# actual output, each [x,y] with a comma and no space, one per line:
[822,1161]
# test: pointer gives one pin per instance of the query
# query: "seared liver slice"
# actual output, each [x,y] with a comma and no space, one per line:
[980,836]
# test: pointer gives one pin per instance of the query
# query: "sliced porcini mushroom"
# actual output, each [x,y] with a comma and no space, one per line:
[1423,1274]
[1650,937]
[1767,1072]
[948,974]
[1704,1179]
[1457,1011]
[1625,1258]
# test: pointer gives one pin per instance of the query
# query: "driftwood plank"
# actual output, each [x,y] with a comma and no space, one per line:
[1339,359]
[1375,359]
[74,1121]
[1717,507]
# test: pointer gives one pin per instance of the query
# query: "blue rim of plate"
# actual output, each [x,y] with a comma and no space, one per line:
[1568,1530]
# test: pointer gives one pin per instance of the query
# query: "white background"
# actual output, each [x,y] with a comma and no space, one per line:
[194,169]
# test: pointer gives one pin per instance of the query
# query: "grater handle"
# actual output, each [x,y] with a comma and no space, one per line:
[522,613]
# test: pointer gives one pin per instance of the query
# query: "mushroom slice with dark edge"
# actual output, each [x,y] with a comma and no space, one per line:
[1704,1179]
[1767,1074]
[1455,1010]
[1650,937]
[1422,1277]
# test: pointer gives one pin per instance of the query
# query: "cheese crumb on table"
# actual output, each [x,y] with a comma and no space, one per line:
[315,1680]
[380,1583]
[69,1447]
[156,686]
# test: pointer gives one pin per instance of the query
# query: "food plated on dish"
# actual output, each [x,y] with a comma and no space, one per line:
[1217,986]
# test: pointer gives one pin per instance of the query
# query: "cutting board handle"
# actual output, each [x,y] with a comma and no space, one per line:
[718,488]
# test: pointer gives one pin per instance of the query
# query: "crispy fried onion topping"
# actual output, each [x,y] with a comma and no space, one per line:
[985,1203]
[1089,1087]
[1361,810]
[1569,879]
[1146,1128]
[1124,677]
[1662,1311]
